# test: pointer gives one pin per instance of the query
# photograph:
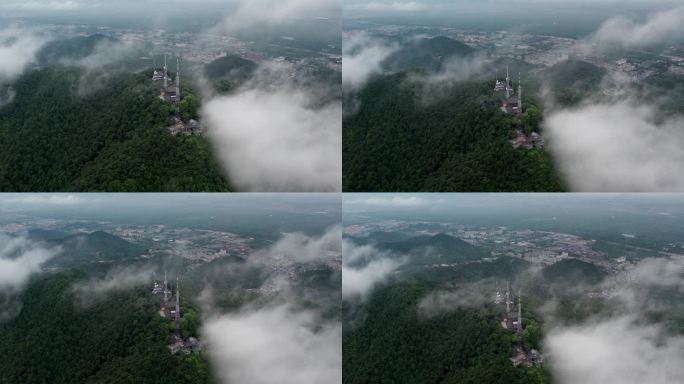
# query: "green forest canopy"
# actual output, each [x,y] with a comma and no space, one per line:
[119,339]
[68,130]
[458,141]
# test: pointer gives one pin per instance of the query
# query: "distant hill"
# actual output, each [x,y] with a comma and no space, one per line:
[426,249]
[74,48]
[45,235]
[426,53]
[231,66]
[573,79]
[573,272]
[92,248]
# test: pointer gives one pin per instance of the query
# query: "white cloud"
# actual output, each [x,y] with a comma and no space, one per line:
[275,138]
[115,280]
[105,52]
[18,49]
[471,296]
[617,146]
[363,268]
[19,259]
[274,344]
[615,351]
[362,56]
[659,28]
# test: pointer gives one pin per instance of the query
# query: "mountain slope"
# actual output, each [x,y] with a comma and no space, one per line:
[404,137]
[396,344]
[71,131]
[120,339]
[426,53]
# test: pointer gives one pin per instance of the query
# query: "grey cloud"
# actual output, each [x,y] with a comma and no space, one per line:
[275,138]
[660,28]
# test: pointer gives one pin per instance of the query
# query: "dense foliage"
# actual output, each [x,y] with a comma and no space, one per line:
[408,137]
[396,343]
[68,130]
[117,339]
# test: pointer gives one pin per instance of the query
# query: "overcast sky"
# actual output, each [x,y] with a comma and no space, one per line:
[158,13]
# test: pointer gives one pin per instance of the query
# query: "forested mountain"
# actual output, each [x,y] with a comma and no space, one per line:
[572,80]
[396,343]
[230,65]
[96,247]
[73,48]
[425,53]
[405,137]
[117,339]
[429,249]
[71,130]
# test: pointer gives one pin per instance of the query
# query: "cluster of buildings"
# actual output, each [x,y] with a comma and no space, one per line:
[172,95]
[171,310]
[511,103]
[512,321]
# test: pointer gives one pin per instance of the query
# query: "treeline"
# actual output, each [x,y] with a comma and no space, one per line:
[408,137]
[68,130]
[117,339]
[396,343]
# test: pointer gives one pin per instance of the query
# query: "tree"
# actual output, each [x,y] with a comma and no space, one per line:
[189,106]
